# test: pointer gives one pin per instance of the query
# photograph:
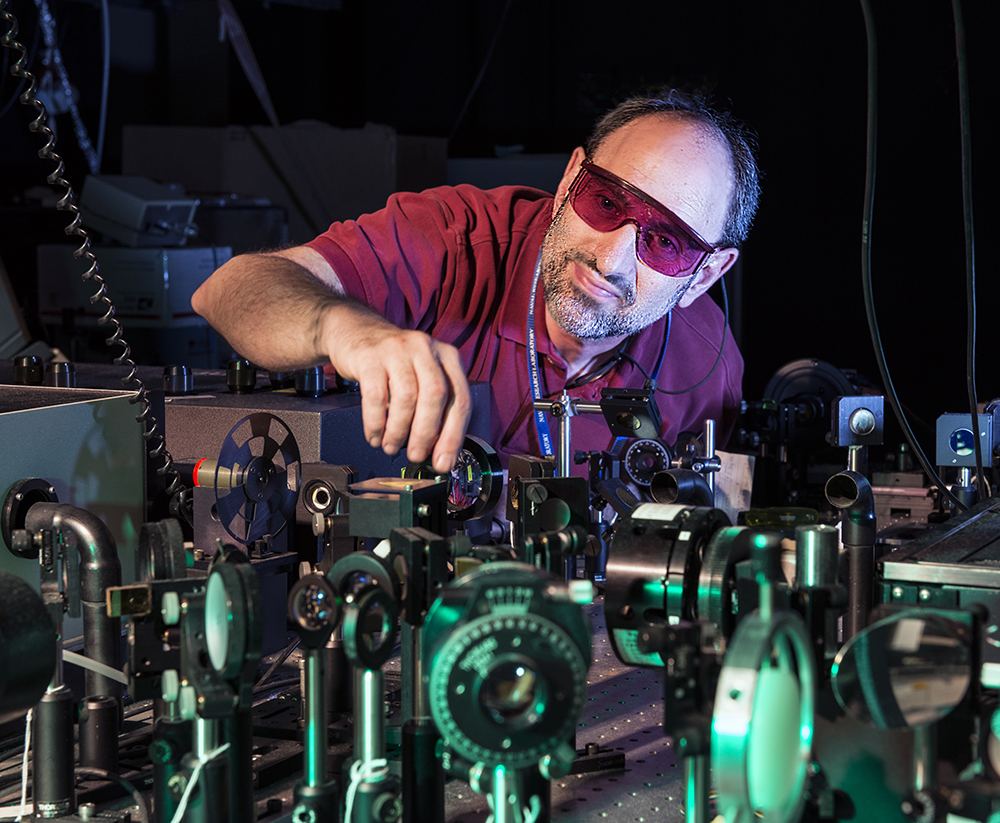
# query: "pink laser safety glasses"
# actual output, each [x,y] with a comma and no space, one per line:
[663,241]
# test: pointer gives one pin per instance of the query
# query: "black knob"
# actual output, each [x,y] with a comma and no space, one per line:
[282,379]
[344,385]
[177,380]
[60,374]
[310,382]
[28,371]
[241,376]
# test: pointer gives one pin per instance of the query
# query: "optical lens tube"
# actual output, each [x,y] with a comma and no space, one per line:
[99,734]
[52,761]
[423,779]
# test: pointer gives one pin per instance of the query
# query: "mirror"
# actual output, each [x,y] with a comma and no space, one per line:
[908,670]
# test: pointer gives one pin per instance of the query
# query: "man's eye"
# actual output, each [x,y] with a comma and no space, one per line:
[663,244]
[607,204]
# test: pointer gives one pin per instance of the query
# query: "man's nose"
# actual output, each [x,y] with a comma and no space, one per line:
[616,251]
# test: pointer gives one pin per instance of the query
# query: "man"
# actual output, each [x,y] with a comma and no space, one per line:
[437,289]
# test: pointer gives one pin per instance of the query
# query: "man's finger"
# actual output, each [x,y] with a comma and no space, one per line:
[434,397]
[374,390]
[403,388]
[456,414]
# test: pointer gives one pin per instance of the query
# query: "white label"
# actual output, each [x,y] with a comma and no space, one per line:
[657,511]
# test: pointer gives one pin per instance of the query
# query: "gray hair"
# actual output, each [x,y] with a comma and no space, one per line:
[739,138]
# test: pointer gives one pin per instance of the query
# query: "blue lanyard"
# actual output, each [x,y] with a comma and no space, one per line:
[541,423]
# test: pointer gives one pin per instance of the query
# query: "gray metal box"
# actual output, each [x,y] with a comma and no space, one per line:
[88,445]
[327,429]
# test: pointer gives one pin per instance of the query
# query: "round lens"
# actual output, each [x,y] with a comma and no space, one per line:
[962,442]
[312,608]
[376,627]
[218,615]
[512,695]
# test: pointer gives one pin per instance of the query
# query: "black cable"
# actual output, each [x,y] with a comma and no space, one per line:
[111,777]
[601,370]
[131,381]
[280,659]
[663,346]
[970,257]
[278,685]
[482,72]
[248,62]
[866,280]
[722,346]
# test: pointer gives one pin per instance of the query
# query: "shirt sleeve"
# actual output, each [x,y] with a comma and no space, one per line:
[431,260]
[396,259]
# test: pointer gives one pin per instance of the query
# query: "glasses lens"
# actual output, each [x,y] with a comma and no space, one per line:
[603,206]
[660,244]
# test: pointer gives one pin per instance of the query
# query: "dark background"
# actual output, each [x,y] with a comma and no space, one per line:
[795,70]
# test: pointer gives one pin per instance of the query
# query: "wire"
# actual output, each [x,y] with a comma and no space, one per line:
[722,345]
[866,279]
[663,347]
[150,434]
[362,770]
[238,39]
[47,21]
[105,78]
[24,761]
[96,666]
[31,59]
[111,777]
[280,659]
[193,781]
[482,72]
[970,256]
[276,686]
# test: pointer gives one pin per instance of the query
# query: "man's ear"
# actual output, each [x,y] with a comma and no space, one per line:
[717,265]
[572,169]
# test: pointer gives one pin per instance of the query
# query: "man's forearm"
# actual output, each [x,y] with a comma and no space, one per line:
[281,315]
[271,310]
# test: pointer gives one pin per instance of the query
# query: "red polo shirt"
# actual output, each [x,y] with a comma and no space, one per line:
[458,263]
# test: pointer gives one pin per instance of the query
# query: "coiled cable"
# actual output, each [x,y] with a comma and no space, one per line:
[150,429]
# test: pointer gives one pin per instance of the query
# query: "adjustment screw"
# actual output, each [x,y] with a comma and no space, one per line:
[22,541]
[170,608]
[387,808]
[581,592]
[161,751]
[303,814]
[176,785]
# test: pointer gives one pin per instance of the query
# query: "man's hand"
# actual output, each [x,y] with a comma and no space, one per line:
[287,310]
[413,388]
